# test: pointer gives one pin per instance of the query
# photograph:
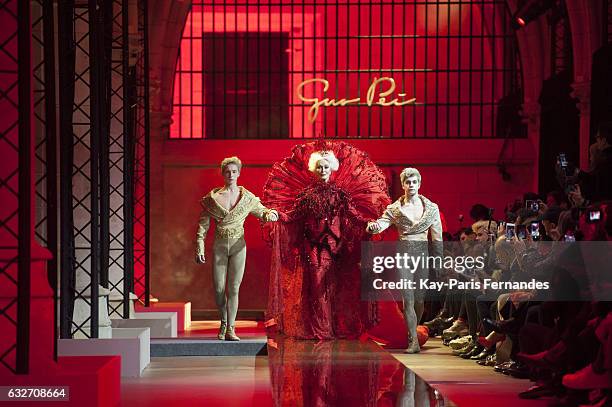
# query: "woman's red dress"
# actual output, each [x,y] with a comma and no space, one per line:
[315,288]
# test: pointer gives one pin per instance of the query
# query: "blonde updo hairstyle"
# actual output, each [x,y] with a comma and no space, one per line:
[328,156]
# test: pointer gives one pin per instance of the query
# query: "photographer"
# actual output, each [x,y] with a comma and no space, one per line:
[583,187]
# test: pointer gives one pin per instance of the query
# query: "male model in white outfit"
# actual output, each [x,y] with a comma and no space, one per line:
[415,218]
[228,206]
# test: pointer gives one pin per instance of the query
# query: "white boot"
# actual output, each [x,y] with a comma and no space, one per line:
[222,331]
[231,335]
[414,346]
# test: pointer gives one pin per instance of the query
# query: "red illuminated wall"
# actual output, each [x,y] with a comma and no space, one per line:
[456,173]
[456,60]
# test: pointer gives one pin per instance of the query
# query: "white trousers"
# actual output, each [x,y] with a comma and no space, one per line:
[228,269]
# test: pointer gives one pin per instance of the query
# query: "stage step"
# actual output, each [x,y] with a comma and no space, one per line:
[182,309]
[207,347]
[162,324]
[132,344]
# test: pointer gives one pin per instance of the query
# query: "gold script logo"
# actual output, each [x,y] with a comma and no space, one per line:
[372,97]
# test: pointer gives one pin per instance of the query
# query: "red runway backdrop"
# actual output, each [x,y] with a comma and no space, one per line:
[228,81]
[456,174]
[239,68]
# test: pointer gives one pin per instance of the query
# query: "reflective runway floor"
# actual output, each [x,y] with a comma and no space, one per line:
[465,382]
[294,373]
[325,373]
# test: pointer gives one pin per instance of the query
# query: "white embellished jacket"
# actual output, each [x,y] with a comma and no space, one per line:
[429,223]
[229,224]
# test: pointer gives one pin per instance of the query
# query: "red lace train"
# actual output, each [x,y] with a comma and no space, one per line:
[315,278]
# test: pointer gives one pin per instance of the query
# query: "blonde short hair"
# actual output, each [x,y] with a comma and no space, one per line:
[231,160]
[483,224]
[328,156]
[409,172]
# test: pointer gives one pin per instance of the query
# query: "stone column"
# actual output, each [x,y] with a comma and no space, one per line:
[82,311]
[585,21]
[582,92]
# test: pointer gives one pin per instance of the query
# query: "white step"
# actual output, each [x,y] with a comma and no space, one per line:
[132,344]
[162,324]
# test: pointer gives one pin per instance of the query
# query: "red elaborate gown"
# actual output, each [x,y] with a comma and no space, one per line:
[315,288]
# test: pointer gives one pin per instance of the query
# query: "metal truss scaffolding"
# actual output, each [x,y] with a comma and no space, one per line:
[16,195]
[97,160]
[80,132]
[43,54]
[142,285]
[117,184]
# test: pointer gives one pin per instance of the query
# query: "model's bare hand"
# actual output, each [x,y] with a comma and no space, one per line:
[373,227]
[272,216]
[200,259]
[575,196]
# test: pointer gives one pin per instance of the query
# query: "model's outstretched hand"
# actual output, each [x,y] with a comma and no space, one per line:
[200,259]
[373,227]
[272,216]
